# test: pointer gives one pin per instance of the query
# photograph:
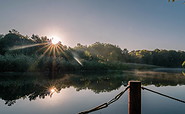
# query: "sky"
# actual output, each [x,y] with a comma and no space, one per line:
[131,24]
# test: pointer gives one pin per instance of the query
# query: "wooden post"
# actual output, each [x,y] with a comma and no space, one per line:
[134,97]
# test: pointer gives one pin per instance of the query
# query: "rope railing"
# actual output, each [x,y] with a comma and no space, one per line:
[173,98]
[132,95]
[104,105]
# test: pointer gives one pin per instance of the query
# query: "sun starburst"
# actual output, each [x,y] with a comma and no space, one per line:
[53,49]
[55,40]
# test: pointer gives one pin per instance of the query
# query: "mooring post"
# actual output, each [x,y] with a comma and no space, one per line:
[134,97]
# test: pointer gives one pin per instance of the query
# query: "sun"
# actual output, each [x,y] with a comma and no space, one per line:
[55,40]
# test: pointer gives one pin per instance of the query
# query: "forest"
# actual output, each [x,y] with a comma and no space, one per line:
[21,53]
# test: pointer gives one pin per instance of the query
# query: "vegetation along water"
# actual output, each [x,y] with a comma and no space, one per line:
[21,53]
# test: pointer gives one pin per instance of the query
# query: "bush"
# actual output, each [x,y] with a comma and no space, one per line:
[24,63]
[15,63]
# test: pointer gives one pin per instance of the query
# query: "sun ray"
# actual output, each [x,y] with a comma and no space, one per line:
[57,51]
[60,48]
[43,47]
[46,51]
[54,54]
[78,61]
[51,49]
[39,58]
[25,46]
[65,55]
[54,59]
[183,73]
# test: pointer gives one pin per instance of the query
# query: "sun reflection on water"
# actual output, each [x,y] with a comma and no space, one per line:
[52,90]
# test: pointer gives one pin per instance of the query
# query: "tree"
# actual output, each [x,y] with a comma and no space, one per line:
[14,31]
[36,38]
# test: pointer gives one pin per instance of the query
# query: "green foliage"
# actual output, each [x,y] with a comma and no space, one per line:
[97,56]
[17,63]
[102,51]
[158,57]
[15,39]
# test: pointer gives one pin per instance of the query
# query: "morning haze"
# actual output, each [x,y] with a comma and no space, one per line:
[143,24]
[100,56]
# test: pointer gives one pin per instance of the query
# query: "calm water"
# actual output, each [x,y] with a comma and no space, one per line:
[39,93]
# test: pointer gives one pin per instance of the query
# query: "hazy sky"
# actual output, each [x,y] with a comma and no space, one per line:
[131,24]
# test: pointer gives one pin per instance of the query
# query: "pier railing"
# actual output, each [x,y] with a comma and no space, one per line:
[134,98]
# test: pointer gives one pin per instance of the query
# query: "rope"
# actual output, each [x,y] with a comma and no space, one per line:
[163,95]
[104,105]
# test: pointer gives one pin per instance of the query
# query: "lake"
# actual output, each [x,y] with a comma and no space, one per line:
[71,93]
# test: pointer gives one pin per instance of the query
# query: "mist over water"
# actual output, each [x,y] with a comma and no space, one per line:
[75,92]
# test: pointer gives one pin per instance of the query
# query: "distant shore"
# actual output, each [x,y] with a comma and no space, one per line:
[169,69]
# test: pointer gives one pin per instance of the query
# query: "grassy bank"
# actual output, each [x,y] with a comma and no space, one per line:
[23,63]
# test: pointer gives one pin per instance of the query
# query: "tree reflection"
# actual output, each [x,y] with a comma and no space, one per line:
[33,86]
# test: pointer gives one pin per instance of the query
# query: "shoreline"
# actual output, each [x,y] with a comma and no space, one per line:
[169,69]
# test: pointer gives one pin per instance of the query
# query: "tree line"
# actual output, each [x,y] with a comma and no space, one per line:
[103,55]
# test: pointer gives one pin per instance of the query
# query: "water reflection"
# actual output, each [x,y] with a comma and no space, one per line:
[39,85]
[53,90]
